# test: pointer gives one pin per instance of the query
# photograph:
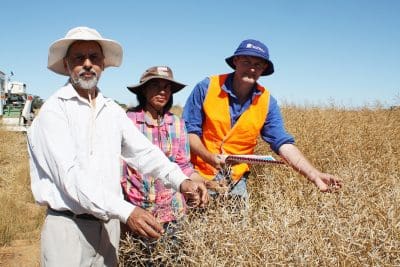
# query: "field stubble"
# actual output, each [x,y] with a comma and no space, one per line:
[20,218]
[289,222]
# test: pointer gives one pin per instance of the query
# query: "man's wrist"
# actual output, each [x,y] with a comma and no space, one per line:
[212,159]
[180,186]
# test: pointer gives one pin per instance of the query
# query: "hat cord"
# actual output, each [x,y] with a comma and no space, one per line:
[92,120]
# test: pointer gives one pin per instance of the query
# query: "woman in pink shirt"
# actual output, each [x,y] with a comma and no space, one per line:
[168,132]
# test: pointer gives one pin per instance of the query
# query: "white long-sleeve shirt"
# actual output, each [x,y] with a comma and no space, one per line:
[75,154]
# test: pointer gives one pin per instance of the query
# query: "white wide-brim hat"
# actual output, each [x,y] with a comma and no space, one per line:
[112,50]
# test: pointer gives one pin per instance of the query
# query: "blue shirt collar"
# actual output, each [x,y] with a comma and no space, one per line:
[228,87]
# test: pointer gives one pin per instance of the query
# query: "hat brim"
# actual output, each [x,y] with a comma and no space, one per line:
[112,52]
[176,86]
[268,71]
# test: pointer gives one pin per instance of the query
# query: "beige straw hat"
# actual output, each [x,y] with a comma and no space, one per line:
[111,49]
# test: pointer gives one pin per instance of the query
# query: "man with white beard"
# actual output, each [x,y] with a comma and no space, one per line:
[76,144]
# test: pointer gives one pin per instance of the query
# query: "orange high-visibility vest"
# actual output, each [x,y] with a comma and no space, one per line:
[218,135]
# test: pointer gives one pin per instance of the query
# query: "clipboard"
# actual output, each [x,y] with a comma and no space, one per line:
[252,159]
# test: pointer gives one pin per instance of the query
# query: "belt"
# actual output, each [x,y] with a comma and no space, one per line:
[72,215]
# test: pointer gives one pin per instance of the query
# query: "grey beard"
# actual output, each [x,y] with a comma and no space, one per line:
[85,84]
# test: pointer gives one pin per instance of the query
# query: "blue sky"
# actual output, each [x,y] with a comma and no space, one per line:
[341,51]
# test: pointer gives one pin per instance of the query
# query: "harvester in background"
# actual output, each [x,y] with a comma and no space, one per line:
[16,106]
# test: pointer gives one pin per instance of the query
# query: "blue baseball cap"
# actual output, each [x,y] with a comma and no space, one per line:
[253,48]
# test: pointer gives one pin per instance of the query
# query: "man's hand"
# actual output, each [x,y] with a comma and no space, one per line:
[144,224]
[324,181]
[195,193]
[217,161]
[327,182]
[217,186]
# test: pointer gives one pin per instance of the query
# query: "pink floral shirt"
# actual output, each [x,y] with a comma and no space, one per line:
[148,192]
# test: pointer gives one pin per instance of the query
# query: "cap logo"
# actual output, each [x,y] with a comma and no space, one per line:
[162,71]
[250,45]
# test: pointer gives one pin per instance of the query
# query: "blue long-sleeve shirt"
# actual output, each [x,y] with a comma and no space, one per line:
[273,132]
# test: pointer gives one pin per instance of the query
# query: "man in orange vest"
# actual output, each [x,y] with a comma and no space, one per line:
[225,114]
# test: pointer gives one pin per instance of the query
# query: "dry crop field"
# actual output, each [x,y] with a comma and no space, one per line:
[20,218]
[288,222]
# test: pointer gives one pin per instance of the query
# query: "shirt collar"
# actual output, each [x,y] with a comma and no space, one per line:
[228,86]
[68,92]
[141,117]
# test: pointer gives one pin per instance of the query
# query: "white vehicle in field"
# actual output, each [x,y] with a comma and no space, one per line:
[16,110]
